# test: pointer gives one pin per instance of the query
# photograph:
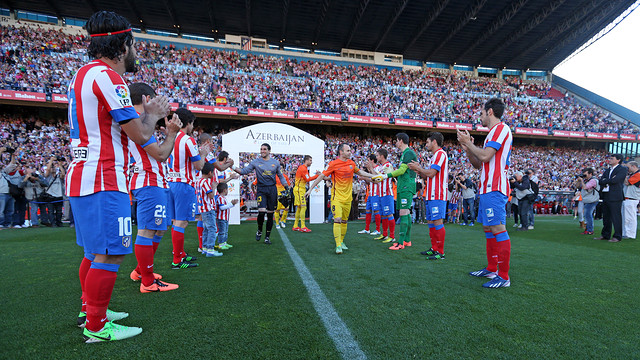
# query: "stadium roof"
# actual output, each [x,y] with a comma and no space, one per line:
[516,34]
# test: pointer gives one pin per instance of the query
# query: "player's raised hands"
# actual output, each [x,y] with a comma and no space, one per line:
[463,136]
[174,125]
[414,165]
[157,107]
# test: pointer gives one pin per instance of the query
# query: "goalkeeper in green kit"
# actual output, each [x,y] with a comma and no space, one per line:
[406,190]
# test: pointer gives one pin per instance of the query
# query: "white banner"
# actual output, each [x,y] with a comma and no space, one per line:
[284,139]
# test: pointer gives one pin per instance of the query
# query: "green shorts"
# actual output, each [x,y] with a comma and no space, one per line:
[404,200]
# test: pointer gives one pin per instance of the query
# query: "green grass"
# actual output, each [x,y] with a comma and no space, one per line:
[571,297]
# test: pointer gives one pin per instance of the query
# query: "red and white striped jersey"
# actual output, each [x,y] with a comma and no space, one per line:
[437,188]
[98,102]
[385,187]
[374,189]
[221,201]
[219,175]
[456,195]
[493,176]
[185,153]
[370,189]
[205,203]
[147,170]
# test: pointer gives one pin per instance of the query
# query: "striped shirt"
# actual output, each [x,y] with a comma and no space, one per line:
[185,153]
[223,211]
[385,187]
[98,102]
[437,186]
[203,189]
[493,176]
[147,170]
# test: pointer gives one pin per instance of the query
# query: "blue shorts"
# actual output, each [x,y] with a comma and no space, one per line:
[387,205]
[182,202]
[492,209]
[369,205]
[436,209]
[152,208]
[453,206]
[375,203]
[103,222]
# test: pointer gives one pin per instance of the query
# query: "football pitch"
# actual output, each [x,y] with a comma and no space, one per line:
[571,297]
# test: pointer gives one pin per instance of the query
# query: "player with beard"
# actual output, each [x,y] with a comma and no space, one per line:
[102,119]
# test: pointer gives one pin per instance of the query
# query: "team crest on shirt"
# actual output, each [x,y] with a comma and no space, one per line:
[122,91]
[158,221]
[126,241]
[490,212]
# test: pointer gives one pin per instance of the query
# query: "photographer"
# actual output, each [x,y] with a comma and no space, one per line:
[536,189]
[54,175]
[589,187]
[6,184]
[468,198]
[34,185]
[525,196]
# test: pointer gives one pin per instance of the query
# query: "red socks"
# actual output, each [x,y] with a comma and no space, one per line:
[144,254]
[378,218]
[392,227]
[385,226]
[200,231]
[367,221]
[85,265]
[439,233]
[503,253]
[98,288]
[492,252]
[177,238]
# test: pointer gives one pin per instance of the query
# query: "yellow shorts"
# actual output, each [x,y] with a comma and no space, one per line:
[299,198]
[341,209]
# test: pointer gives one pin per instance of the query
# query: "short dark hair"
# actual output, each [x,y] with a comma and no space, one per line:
[373,158]
[341,147]
[137,90]
[404,137]
[437,137]
[617,156]
[207,168]
[496,105]
[588,170]
[383,152]
[109,46]
[221,187]
[223,155]
[267,145]
[306,157]
[186,116]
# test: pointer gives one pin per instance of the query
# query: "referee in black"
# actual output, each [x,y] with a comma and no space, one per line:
[266,170]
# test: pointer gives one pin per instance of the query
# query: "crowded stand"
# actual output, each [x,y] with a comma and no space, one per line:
[36,60]
[42,144]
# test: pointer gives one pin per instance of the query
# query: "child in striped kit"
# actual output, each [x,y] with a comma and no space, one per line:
[223,215]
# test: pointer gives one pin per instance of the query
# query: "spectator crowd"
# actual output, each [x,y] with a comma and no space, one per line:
[33,59]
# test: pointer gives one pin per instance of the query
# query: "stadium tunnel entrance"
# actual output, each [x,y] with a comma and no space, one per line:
[284,139]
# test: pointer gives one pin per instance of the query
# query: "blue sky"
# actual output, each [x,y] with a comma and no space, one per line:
[611,66]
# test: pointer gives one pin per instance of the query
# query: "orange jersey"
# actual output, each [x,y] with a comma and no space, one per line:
[342,173]
[302,176]
[279,184]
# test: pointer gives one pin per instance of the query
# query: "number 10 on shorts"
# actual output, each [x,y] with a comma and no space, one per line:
[124,224]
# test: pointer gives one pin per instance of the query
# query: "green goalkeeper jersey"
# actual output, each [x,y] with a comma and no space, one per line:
[406,177]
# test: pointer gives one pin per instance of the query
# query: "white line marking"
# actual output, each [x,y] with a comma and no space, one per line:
[336,328]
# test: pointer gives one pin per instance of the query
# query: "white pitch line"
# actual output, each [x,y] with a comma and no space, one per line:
[336,328]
